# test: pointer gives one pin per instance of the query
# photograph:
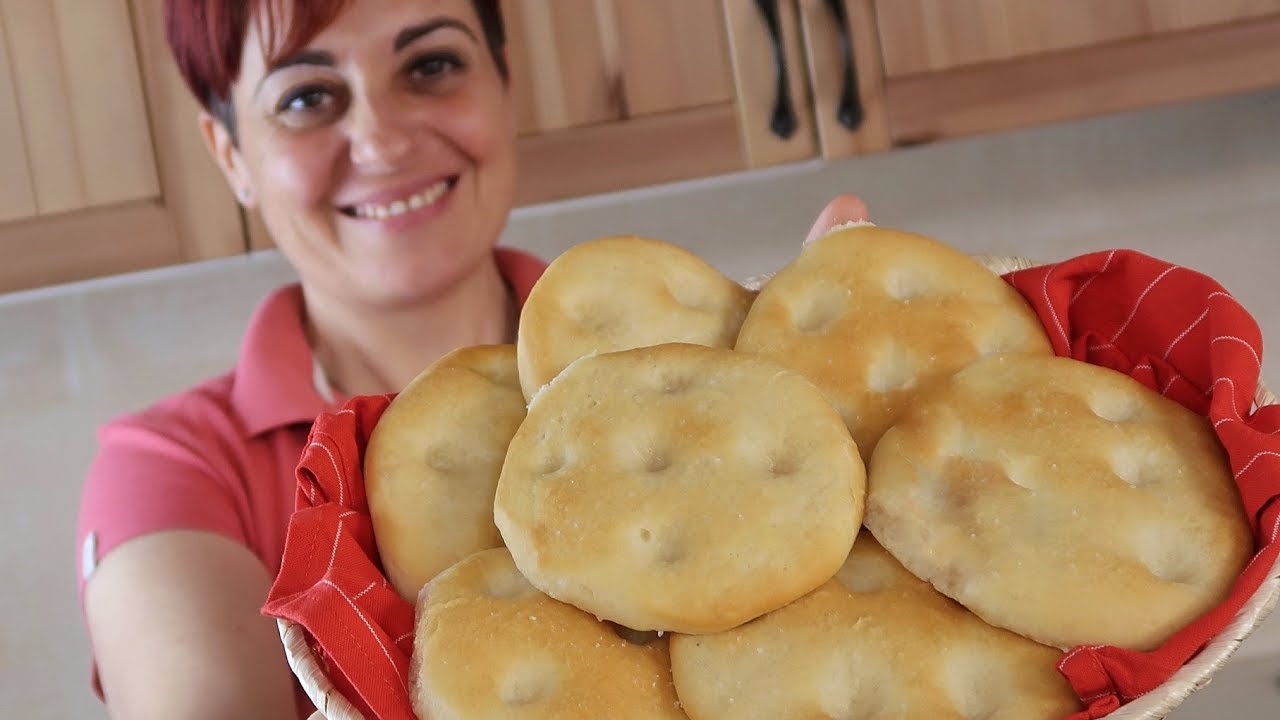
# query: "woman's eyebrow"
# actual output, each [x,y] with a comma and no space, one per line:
[306,57]
[413,32]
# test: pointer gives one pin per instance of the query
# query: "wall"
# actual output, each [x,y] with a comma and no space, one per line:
[1195,184]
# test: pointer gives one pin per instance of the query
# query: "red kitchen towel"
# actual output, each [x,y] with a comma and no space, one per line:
[1175,330]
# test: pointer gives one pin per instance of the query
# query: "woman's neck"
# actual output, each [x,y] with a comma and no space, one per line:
[367,350]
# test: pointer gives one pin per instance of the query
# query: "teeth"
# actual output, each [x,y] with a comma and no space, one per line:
[400,207]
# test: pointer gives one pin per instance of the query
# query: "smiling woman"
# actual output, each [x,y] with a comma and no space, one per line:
[376,138]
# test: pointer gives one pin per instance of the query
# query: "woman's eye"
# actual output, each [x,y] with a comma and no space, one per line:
[306,99]
[310,106]
[434,66]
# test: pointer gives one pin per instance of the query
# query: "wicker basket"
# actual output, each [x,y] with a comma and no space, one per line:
[1154,705]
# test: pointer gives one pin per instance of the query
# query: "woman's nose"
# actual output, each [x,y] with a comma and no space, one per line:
[381,138]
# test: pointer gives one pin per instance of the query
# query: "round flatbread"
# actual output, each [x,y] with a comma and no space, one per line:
[875,642]
[624,292]
[488,645]
[874,316]
[679,487]
[433,461]
[1061,500]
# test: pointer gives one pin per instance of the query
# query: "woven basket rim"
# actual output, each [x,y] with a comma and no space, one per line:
[1154,705]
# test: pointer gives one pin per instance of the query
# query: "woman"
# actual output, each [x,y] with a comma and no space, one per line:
[376,138]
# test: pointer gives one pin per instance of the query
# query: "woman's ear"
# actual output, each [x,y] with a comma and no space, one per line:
[222,146]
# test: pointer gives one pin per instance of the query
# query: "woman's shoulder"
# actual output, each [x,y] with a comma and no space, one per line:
[196,417]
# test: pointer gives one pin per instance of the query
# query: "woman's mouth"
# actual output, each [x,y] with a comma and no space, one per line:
[401,206]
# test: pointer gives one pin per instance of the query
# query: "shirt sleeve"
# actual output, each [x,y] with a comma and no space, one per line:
[152,473]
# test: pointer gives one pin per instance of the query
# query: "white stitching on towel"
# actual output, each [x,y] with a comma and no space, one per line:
[1253,352]
[1133,313]
[342,495]
[1044,289]
[1185,333]
[1254,459]
[369,627]
[1085,284]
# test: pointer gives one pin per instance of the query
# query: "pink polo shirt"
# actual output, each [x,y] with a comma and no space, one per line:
[220,457]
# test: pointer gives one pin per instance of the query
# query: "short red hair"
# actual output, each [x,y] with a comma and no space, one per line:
[206,37]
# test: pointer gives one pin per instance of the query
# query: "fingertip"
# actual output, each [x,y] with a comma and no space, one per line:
[844,208]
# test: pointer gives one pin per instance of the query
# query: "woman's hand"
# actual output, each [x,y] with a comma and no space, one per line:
[842,209]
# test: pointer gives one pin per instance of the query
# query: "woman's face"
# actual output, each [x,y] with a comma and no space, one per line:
[382,155]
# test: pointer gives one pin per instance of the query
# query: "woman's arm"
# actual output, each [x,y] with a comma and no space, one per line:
[177,633]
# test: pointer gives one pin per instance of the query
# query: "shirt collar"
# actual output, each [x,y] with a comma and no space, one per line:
[275,382]
[273,386]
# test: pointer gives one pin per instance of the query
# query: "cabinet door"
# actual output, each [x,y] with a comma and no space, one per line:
[961,67]
[672,56]
[846,74]
[17,196]
[771,81]
[921,36]
[101,144]
[613,94]
[1172,15]
[560,57]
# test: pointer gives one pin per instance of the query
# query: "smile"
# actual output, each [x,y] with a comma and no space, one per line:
[395,208]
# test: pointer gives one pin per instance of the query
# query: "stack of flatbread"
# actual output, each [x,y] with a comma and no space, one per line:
[866,490]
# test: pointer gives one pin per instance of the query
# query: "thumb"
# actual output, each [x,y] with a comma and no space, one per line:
[842,209]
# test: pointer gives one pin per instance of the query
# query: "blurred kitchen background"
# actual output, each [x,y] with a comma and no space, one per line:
[1040,128]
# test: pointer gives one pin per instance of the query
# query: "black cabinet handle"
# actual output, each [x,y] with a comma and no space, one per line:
[783,121]
[849,112]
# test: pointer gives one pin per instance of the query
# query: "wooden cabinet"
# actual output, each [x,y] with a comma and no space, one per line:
[615,94]
[922,70]
[770,81]
[101,166]
[933,35]
[845,76]
[960,67]
[102,169]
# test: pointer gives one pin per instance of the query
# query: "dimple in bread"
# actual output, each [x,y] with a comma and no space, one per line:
[874,642]
[874,316]
[617,293]
[433,461]
[679,487]
[1061,500]
[488,645]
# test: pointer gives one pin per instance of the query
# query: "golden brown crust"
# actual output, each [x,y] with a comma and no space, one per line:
[874,316]
[1025,484]
[875,642]
[618,293]
[487,644]
[433,462]
[679,487]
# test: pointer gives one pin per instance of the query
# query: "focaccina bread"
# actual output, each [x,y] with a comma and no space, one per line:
[487,644]
[679,487]
[874,642]
[433,462]
[874,316]
[624,292]
[1061,500]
